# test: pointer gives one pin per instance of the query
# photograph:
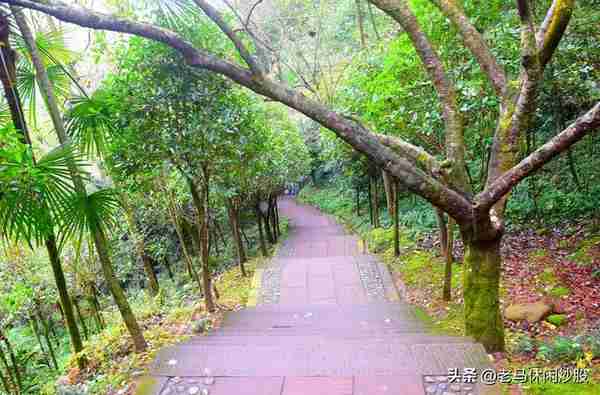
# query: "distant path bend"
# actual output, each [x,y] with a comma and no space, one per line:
[329,322]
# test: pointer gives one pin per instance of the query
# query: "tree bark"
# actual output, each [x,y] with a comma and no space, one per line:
[483,320]
[13,361]
[261,236]
[200,199]
[117,292]
[375,202]
[396,218]
[388,187]
[10,375]
[233,211]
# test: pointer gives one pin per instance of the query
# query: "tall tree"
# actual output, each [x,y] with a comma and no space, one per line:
[8,76]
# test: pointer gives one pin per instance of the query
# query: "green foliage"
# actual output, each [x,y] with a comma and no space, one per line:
[559,291]
[560,350]
[557,319]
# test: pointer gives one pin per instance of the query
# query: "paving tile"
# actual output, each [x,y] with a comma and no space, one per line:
[317,386]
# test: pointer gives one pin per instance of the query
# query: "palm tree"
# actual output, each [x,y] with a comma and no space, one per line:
[26,209]
[85,213]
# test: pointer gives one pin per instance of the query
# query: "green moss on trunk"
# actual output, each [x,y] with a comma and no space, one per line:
[483,320]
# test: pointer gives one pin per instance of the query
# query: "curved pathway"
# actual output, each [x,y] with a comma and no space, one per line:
[329,322]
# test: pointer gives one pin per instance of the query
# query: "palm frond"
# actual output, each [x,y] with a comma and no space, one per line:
[86,213]
[90,123]
[32,195]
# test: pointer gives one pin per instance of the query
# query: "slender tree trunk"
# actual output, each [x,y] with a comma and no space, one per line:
[361,25]
[168,267]
[10,375]
[358,201]
[138,240]
[47,336]
[220,233]
[441,220]
[483,320]
[5,383]
[449,257]
[373,22]
[245,236]
[370,198]
[396,218]
[388,187]
[375,198]
[189,264]
[36,331]
[235,233]
[14,101]
[65,299]
[200,199]
[81,318]
[267,225]
[117,292]
[13,361]
[276,208]
[261,236]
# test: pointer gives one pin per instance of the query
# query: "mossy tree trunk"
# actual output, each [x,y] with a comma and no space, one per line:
[481,289]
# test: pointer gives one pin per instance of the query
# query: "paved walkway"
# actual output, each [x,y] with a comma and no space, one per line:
[329,322]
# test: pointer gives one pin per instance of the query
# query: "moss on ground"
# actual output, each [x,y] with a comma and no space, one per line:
[582,254]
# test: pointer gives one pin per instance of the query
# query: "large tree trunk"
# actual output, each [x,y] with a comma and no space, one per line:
[483,320]
[233,211]
[117,292]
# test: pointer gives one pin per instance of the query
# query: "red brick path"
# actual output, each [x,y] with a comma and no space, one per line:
[337,329]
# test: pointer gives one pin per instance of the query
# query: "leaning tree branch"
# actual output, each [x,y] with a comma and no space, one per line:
[354,133]
[217,18]
[587,123]
[415,154]
[553,28]
[400,11]
[475,42]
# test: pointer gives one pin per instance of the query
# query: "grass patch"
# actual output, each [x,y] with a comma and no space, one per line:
[582,254]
